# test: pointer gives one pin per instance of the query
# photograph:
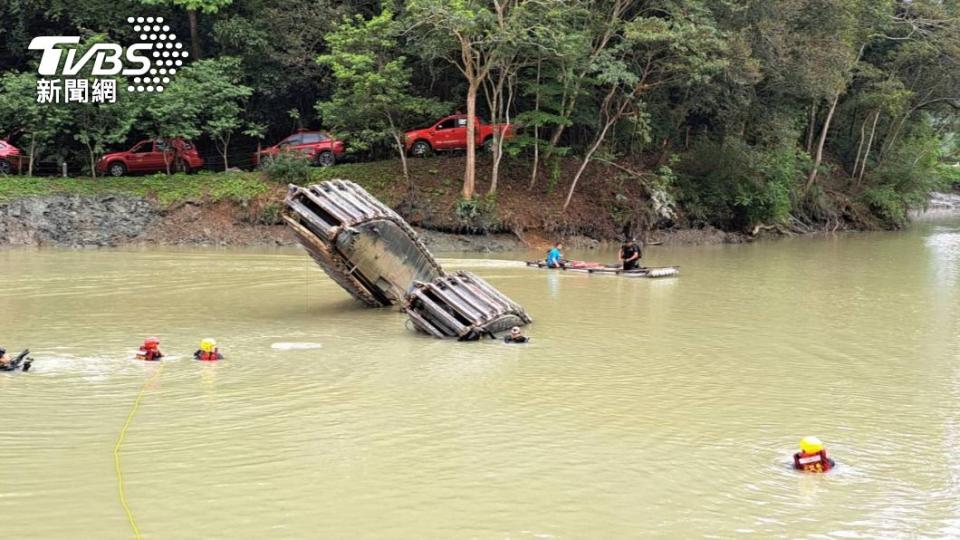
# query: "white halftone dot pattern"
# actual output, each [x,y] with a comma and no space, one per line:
[160,38]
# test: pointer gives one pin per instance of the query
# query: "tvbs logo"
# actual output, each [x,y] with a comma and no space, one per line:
[150,62]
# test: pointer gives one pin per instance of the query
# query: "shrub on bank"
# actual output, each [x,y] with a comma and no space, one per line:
[286,168]
[733,186]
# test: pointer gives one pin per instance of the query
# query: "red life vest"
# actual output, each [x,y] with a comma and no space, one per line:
[210,356]
[815,463]
[149,354]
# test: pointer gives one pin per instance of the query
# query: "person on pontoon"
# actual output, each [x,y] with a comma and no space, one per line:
[554,256]
[516,336]
[630,253]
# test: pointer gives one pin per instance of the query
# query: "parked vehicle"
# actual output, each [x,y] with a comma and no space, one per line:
[450,133]
[10,158]
[321,148]
[152,156]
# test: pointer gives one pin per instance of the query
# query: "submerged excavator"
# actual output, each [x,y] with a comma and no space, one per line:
[370,251]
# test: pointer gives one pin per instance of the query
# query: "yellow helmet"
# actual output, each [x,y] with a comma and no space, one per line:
[811,445]
[208,345]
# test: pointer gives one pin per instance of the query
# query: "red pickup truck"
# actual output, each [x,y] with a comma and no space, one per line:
[450,133]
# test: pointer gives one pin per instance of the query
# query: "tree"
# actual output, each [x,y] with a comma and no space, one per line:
[373,99]
[20,114]
[174,113]
[671,47]
[463,33]
[216,83]
[96,125]
[192,6]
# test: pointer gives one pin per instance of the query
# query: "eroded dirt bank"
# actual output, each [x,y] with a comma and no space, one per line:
[116,220]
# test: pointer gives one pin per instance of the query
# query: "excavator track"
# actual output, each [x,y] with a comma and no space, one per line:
[363,245]
[370,251]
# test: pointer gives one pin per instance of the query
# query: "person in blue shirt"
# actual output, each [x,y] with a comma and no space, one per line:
[554,256]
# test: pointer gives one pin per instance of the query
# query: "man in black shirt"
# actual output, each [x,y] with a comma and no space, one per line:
[630,254]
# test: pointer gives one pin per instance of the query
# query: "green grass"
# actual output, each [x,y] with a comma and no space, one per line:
[373,176]
[166,190]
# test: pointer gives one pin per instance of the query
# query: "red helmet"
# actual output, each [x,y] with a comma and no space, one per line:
[151,343]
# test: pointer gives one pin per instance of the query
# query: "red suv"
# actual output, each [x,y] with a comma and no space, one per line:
[450,133]
[10,158]
[151,157]
[317,146]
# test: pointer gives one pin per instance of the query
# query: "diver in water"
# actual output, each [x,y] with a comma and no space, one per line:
[150,350]
[12,364]
[208,351]
[516,336]
[812,457]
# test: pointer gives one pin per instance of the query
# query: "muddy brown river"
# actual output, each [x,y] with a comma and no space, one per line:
[641,408]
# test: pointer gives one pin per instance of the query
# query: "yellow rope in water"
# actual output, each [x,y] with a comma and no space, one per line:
[116,452]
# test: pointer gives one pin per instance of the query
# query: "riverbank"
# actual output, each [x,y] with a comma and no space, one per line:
[243,208]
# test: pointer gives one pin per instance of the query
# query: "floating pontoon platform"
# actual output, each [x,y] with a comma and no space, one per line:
[610,269]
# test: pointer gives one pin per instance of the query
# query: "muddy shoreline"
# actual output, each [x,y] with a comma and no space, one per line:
[77,221]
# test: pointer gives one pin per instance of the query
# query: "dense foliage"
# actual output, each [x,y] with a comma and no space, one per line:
[768,112]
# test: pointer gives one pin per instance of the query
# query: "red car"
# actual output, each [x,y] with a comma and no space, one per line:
[317,146]
[151,157]
[10,158]
[450,133]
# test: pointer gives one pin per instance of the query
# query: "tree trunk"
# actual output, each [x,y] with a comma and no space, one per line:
[586,161]
[33,152]
[866,154]
[536,131]
[93,162]
[811,127]
[470,173]
[403,158]
[194,34]
[498,139]
[863,136]
[225,164]
[823,139]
